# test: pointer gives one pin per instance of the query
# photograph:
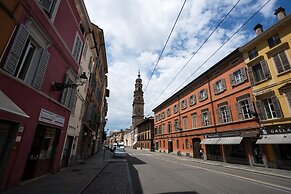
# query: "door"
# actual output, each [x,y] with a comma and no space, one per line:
[257,153]
[170,146]
[196,147]
[67,151]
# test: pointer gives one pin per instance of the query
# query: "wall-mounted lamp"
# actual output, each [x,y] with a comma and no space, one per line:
[81,80]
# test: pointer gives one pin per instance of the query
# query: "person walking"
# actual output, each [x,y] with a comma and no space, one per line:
[201,154]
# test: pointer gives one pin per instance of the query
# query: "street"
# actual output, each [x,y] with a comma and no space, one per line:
[162,173]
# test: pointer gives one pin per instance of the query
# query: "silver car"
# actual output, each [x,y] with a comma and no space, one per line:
[119,152]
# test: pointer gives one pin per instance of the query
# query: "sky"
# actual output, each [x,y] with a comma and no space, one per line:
[136,31]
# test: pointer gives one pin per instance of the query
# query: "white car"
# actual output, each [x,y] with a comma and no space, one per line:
[119,152]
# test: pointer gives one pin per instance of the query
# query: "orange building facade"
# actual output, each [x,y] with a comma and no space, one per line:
[215,114]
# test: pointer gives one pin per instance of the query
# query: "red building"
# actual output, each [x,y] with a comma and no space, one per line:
[44,48]
[214,112]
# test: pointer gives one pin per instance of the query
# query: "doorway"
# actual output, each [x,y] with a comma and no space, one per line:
[170,146]
[67,151]
[196,147]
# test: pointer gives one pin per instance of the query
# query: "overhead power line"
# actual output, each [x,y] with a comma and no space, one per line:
[165,45]
[217,49]
[197,51]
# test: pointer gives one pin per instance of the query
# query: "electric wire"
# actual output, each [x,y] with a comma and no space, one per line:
[222,45]
[165,45]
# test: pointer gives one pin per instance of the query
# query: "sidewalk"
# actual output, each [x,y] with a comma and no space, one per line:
[256,169]
[71,180]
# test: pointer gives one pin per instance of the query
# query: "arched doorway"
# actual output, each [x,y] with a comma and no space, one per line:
[196,147]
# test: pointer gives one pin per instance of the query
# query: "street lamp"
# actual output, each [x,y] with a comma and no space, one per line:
[81,80]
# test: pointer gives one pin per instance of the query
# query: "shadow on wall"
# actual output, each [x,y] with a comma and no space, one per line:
[134,173]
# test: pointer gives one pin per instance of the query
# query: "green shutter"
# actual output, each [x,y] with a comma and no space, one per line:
[16,50]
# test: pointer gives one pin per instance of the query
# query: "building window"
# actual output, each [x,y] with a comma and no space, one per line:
[163,115]
[163,128]
[175,108]
[238,77]
[269,108]
[259,72]
[273,41]
[184,104]
[49,6]
[27,59]
[77,48]
[244,108]
[85,50]
[219,86]
[187,144]
[224,113]
[253,53]
[185,122]
[169,127]
[203,95]
[192,100]
[168,112]
[194,120]
[176,124]
[178,144]
[205,118]
[281,62]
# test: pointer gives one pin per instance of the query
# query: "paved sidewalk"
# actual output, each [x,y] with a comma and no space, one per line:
[71,180]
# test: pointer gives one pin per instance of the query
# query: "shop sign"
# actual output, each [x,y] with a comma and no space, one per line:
[51,118]
[226,134]
[276,131]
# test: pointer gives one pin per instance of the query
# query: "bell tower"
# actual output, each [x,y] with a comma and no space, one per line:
[138,102]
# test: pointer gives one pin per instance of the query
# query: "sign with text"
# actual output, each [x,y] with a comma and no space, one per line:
[51,118]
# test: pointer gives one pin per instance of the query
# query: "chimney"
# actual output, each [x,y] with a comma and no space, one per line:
[280,13]
[259,29]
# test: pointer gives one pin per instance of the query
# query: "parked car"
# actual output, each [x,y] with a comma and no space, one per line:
[119,152]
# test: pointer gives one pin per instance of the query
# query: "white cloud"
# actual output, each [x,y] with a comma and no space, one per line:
[135,32]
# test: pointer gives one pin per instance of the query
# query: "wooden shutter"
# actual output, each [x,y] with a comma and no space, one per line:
[206,94]
[16,50]
[277,106]
[232,80]
[278,64]
[209,117]
[65,91]
[243,73]
[215,88]
[229,113]
[219,115]
[223,84]
[285,61]
[72,98]
[41,69]
[261,110]
[250,102]
[239,111]
[265,69]
[251,76]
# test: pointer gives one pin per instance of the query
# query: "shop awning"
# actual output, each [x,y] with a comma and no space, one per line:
[6,104]
[275,139]
[209,141]
[230,140]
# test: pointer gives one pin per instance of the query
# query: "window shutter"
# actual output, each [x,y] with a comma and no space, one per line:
[16,50]
[215,88]
[250,102]
[285,62]
[219,115]
[239,111]
[232,80]
[73,98]
[278,63]
[277,106]
[265,69]
[206,94]
[243,73]
[229,113]
[223,84]
[39,75]
[288,95]
[209,117]
[251,76]
[65,91]
[261,110]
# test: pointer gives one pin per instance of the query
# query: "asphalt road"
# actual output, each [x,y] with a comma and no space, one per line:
[161,173]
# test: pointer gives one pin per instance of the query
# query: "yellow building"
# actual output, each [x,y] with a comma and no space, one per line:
[268,59]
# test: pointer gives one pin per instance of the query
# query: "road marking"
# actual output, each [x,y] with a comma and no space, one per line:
[236,176]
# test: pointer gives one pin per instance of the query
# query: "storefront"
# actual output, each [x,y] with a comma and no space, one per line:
[277,145]
[42,153]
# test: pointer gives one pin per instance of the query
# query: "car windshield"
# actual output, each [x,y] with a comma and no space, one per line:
[119,149]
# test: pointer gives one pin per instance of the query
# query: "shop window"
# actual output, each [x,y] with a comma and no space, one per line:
[269,108]
[238,77]
[185,122]
[192,100]
[203,95]
[219,86]
[253,53]
[259,72]
[273,41]
[27,59]
[281,62]
[224,113]
[194,120]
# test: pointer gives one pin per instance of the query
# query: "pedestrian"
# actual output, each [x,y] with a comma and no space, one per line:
[201,153]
